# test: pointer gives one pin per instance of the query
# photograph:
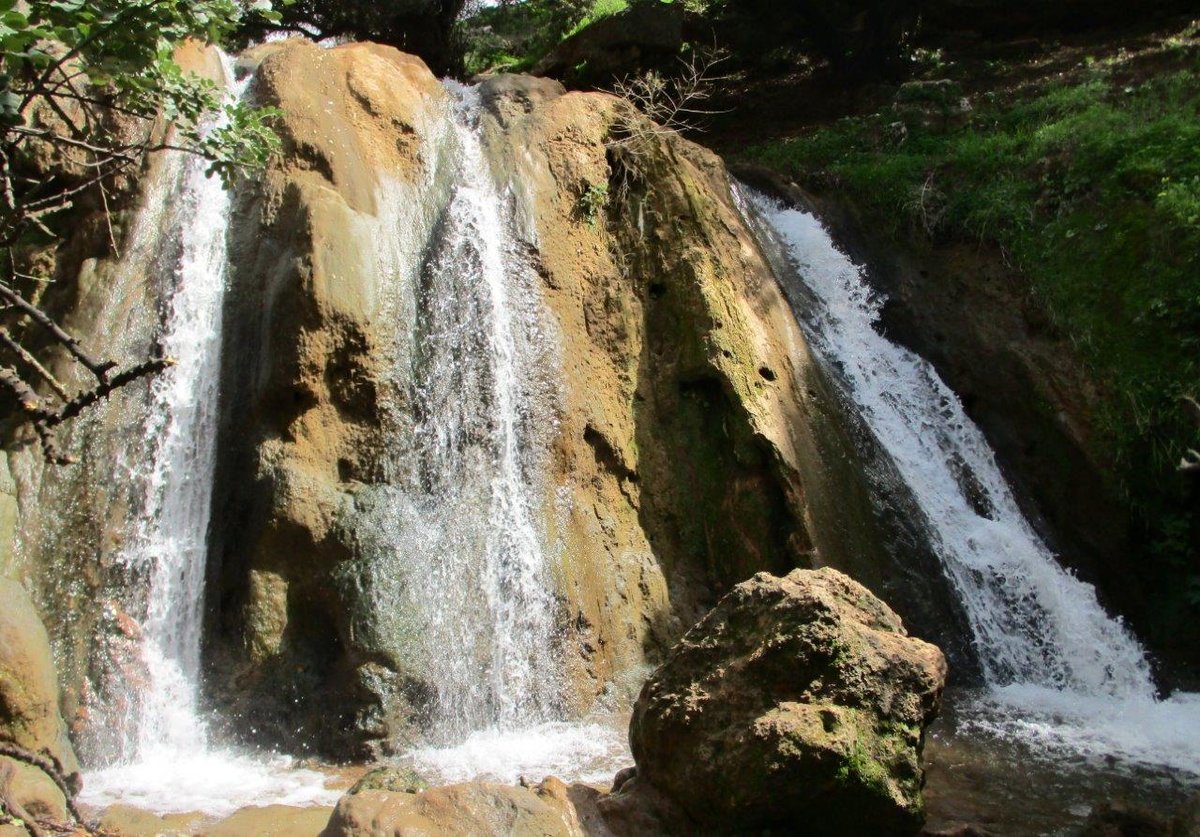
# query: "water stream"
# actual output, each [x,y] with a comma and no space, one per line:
[1063,677]
[166,759]
[465,527]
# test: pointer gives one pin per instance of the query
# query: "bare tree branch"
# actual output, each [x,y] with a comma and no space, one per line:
[29,360]
[48,766]
[98,368]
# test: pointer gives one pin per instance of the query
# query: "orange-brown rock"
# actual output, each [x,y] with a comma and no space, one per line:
[472,808]
[688,444]
[309,351]
[29,714]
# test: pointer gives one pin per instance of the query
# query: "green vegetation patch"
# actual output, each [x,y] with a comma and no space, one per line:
[1091,187]
[514,36]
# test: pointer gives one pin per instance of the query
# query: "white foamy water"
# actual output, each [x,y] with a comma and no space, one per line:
[1063,674]
[167,761]
[459,560]
[172,780]
[1139,732]
[574,752]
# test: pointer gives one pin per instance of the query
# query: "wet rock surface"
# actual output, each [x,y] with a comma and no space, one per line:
[796,699]
[306,366]
[689,443]
[29,714]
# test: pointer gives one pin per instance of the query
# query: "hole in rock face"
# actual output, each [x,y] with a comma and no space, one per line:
[767,373]
[657,290]
[303,397]
[345,470]
[829,720]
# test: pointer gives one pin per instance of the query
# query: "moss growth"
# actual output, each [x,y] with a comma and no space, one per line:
[393,779]
[718,495]
[600,9]
[1091,187]
[864,770]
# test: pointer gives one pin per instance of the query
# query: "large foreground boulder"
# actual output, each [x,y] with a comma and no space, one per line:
[796,700]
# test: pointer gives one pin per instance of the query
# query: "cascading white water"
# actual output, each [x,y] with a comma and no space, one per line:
[460,538]
[1060,670]
[171,531]
[481,445]
[463,516]
[167,760]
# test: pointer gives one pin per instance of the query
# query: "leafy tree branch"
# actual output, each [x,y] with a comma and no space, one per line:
[88,89]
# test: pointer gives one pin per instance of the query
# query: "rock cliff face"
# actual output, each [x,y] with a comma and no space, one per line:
[308,352]
[33,737]
[29,715]
[689,442]
[686,436]
[684,457]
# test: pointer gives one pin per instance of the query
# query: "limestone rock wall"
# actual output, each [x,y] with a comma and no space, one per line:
[689,445]
[29,715]
[309,350]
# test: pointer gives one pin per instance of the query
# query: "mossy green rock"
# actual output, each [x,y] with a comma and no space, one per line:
[392,779]
[796,700]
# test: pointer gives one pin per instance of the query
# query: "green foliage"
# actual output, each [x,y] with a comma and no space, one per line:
[101,58]
[513,36]
[593,200]
[600,9]
[1092,188]
[88,88]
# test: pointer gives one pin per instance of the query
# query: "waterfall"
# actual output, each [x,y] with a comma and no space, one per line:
[460,519]
[477,397]
[171,531]
[1057,666]
[460,545]
[167,759]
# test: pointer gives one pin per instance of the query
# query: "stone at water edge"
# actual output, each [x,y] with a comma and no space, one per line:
[257,820]
[546,810]
[797,700]
[271,821]
[397,779]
